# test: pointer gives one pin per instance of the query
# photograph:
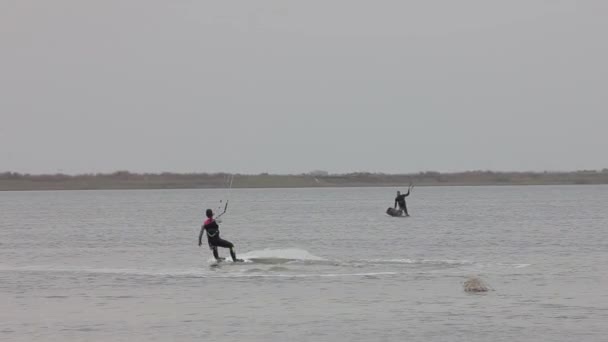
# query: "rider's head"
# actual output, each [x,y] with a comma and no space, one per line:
[209,213]
[398,193]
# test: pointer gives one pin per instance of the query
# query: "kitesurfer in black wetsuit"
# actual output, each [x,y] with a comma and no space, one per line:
[400,200]
[213,237]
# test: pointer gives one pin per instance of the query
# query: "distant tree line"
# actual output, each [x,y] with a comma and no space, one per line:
[170,180]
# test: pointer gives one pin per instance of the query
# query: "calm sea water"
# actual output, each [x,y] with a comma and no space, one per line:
[330,265]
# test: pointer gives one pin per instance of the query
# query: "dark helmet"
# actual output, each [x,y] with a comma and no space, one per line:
[209,213]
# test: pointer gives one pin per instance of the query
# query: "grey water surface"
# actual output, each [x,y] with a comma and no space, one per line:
[321,265]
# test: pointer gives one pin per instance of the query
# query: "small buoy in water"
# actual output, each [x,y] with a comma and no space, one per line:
[475,284]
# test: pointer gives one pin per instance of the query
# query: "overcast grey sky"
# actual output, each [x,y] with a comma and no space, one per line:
[292,86]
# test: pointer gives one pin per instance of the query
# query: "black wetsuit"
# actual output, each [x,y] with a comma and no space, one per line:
[400,200]
[214,240]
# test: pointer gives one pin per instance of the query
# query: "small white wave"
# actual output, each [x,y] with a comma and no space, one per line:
[305,275]
[448,262]
[187,272]
[392,261]
[290,253]
[510,265]
[118,271]
[421,261]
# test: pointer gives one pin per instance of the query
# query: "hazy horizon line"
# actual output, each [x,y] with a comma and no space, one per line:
[313,172]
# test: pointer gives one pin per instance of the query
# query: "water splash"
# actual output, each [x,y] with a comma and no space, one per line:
[286,254]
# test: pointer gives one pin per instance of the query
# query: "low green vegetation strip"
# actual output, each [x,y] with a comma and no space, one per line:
[127,180]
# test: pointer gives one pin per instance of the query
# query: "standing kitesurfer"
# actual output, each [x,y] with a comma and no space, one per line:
[400,200]
[213,237]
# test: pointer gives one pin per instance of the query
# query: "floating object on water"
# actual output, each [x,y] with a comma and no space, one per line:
[475,284]
[394,212]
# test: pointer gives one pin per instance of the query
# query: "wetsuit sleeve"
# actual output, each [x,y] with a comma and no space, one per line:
[408,193]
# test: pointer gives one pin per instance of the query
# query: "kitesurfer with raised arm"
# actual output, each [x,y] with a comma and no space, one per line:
[213,237]
[400,200]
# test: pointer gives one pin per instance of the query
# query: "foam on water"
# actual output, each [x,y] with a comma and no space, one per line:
[420,261]
[303,275]
[287,254]
[274,272]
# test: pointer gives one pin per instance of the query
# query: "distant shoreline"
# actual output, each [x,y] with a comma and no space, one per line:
[11,181]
